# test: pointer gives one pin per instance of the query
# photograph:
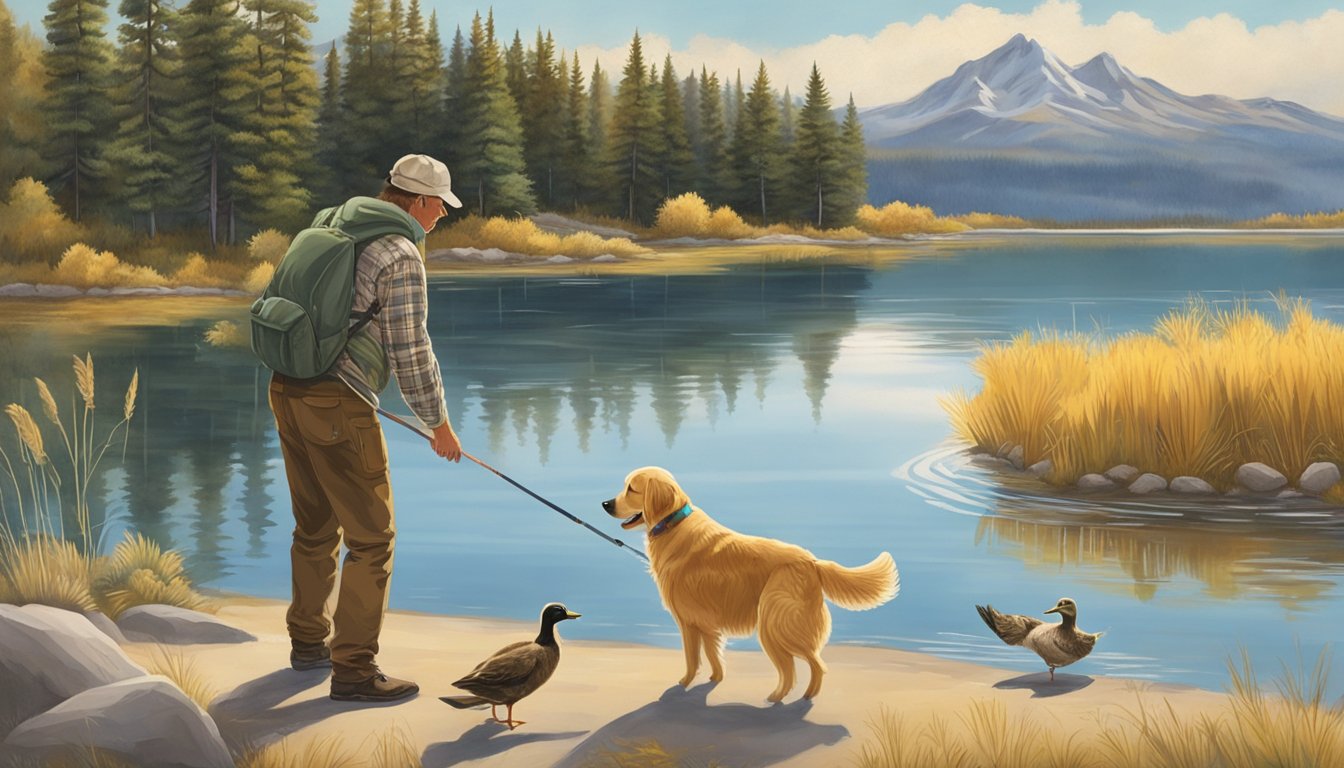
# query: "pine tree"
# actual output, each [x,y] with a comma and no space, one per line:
[78,105]
[755,150]
[815,161]
[712,158]
[20,97]
[634,141]
[599,112]
[543,128]
[853,188]
[214,107]
[515,70]
[492,164]
[690,108]
[334,178]
[276,185]
[452,130]
[675,163]
[422,65]
[368,99]
[575,164]
[140,153]
[786,119]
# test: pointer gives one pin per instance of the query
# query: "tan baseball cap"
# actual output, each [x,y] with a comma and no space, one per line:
[423,175]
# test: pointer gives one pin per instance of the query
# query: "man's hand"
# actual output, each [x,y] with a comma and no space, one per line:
[445,442]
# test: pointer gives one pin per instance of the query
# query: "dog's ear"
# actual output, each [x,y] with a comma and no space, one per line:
[660,499]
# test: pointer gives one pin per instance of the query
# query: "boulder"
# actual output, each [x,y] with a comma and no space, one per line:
[147,719]
[1290,493]
[1319,477]
[1190,485]
[173,625]
[1016,457]
[1095,482]
[1260,478]
[1041,468]
[1122,473]
[105,625]
[18,290]
[1148,483]
[50,655]
[57,291]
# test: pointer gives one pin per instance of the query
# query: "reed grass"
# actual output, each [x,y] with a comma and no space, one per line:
[1205,392]
[226,333]
[183,673]
[1294,727]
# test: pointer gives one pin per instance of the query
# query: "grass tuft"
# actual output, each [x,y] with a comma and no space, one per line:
[183,673]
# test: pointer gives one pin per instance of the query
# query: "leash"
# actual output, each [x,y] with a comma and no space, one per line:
[573,518]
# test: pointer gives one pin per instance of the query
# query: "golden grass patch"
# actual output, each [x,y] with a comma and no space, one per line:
[897,218]
[1204,393]
[524,237]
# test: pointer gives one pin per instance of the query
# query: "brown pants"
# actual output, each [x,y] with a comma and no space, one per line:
[336,462]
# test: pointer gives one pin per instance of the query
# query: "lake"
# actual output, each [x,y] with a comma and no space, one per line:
[794,399]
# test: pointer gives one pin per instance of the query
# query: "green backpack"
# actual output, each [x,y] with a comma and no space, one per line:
[302,322]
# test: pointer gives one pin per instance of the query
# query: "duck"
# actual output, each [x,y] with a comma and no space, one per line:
[1058,645]
[515,671]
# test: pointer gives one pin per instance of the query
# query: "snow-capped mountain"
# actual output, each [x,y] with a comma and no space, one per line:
[1019,131]
[1022,95]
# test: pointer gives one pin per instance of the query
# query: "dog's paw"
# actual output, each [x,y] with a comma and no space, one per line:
[717,678]
[685,682]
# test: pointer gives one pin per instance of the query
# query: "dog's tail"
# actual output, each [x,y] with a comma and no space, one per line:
[861,588]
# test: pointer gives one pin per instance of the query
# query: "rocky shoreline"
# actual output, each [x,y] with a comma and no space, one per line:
[1254,479]
[50,291]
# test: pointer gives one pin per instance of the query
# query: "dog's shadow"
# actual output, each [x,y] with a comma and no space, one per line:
[688,728]
[1041,686]
[485,740]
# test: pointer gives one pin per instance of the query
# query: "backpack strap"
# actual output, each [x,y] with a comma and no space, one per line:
[363,318]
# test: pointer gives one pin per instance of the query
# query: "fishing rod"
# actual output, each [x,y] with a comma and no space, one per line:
[503,476]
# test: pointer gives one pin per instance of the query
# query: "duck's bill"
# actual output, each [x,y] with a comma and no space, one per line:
[1053,610]
[633,521]
[572,615]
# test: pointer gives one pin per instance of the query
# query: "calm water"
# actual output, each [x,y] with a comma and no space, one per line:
[798,402]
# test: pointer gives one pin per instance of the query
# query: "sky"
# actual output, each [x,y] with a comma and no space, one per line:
[883,52]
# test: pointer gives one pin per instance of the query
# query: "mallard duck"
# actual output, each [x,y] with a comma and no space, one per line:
[1059,645]
[514,671]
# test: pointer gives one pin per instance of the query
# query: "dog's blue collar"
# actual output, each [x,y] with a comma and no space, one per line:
[670,522]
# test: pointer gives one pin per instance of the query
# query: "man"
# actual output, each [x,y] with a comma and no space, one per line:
[335,455]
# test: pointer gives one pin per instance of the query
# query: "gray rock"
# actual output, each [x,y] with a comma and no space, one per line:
[1319,477]
[18,290]
[559,259]
[990,462]
[1041,468]
[50,655]
[1260,478]
[605,258]
[1148,483]
[98,292]
[191,290]
[1290,493]
[1122,473]
[156,290]
[105,625]
[57,291]
[173,625]
[1095,482]
[1190,485]
[147,719]
[1004,450]
[1016,457]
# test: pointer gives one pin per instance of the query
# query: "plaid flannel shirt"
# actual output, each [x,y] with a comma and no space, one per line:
[391,269]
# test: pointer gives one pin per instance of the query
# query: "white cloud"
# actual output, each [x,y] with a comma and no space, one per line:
[1296,61]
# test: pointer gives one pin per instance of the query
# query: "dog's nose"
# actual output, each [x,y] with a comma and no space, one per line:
[609,506]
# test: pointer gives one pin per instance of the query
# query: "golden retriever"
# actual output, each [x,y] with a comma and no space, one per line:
[717,582]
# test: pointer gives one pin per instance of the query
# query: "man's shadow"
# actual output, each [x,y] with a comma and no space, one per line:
[1041,686]
[691,730]
[484,740]
[250,716]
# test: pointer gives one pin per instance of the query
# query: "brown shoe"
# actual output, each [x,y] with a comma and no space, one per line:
[380,687]
[303,656]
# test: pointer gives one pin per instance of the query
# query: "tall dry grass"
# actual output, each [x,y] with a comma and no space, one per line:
[389,748]
[897,218]
[1208,390]
[524,237]
[40,560]
[1294,726]
[183,673]
[1318,220]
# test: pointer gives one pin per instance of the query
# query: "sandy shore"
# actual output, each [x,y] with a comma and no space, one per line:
[608,696]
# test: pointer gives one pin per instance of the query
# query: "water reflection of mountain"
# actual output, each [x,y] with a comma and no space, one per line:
[523,347]
[1287,560]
